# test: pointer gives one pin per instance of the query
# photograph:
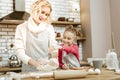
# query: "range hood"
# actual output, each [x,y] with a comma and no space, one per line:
[18,14]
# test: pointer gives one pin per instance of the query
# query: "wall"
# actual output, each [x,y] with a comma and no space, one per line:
[95,18]
[60,8]
[86,25]
[115,23]
[7,33]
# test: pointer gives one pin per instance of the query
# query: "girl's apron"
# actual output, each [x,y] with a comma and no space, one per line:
[70,60]
[36,48]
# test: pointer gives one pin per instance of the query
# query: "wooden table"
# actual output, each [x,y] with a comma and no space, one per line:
[7,69]
[105,75]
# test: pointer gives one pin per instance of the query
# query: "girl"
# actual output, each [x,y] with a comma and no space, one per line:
[68,55]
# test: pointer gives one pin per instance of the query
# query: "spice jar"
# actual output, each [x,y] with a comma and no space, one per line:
[58,34]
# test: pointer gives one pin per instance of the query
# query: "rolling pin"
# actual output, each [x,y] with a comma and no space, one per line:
[69,74]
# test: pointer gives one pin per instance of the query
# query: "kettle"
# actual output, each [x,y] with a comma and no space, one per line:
[14,62]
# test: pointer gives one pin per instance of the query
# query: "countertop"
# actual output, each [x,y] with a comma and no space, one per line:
[105,75]
[6,69]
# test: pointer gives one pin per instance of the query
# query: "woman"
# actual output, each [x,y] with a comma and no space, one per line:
[34,37]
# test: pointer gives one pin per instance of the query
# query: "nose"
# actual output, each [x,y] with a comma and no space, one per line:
[65,40]
[44,16]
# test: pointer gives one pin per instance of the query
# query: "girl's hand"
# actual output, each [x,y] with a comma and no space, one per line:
[65,66]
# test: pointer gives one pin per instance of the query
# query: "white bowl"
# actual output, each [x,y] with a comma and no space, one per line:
[90,60]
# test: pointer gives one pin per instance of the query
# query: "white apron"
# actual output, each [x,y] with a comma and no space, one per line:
[36,48]
[70,60]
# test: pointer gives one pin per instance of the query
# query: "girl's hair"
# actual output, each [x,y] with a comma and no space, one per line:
[36,8]
[71,29]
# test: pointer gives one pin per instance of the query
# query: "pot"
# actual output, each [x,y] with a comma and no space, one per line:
[14,62]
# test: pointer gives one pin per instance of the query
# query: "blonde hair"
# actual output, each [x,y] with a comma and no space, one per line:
[36,8]
[71,29]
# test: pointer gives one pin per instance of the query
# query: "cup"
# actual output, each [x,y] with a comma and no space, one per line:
[97,64]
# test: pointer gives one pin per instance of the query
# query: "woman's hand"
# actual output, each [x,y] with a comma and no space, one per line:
[42,61]
[37,62]
[33,62]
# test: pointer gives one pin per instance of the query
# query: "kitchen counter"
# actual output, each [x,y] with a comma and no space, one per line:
[105,75]
[7,69]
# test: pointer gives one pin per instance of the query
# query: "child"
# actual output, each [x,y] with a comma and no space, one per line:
[68,55]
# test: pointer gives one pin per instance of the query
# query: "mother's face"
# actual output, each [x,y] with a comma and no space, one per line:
[42,15]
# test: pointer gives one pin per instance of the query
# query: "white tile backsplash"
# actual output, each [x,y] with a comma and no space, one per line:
[61,8]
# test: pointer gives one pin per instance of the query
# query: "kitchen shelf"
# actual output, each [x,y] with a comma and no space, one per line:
[53,22]
[65,23]
[11,22]
[78,38]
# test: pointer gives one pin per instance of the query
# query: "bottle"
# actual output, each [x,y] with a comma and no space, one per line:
[112,62]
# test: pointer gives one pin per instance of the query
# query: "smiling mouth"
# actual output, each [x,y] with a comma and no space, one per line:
[40,19]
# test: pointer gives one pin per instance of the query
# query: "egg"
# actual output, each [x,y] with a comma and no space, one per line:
[90,70]
[98,71]
[118,71]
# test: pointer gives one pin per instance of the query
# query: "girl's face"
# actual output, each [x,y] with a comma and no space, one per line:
[42,16]
[68,38]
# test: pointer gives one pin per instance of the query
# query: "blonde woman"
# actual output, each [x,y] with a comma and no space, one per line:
[35,38]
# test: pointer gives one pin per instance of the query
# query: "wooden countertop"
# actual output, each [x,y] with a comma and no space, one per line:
[5,69]
[105,75]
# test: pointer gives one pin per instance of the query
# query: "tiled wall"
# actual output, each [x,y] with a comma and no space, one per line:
[7,33]
[64,8]
[61,8]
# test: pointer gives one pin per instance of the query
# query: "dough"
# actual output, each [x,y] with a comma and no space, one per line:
[51,64]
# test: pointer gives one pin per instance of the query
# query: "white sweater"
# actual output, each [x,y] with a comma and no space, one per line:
[20,37]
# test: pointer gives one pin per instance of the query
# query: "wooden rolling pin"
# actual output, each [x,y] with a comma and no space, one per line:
[69,74]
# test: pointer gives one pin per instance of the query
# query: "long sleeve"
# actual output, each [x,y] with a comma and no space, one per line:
[60,58]
[53,41]
[72,49]
[20,43]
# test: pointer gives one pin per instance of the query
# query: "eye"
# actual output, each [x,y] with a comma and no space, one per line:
[69,38]
[42,12]
[47,14]
[64,37]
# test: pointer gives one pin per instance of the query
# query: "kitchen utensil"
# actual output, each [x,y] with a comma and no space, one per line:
[14,62]
[70,19]
[112,62]
[61,19]
[97,64]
